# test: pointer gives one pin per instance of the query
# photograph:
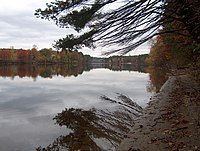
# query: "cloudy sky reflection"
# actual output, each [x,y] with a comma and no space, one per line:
[27,106]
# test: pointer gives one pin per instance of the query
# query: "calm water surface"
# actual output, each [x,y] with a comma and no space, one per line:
[58,112]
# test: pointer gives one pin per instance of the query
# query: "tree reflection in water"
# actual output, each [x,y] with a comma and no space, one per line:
[158,76]
[48,71]
[45,71]
[95,129]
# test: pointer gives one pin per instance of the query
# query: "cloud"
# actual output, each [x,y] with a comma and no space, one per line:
[21,29]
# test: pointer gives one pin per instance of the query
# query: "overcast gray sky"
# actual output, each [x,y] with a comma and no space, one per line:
[21,29]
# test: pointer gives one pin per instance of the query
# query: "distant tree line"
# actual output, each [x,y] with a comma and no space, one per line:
[132,63]
[118,63]
[135,60]
[43,56]
[11,68]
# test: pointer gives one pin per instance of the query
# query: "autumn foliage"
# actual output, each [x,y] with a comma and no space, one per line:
[43,56]
[171,53]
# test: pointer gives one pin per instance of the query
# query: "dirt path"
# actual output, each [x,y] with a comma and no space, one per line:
[171,122]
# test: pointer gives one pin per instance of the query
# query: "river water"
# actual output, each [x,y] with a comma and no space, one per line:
[62,109]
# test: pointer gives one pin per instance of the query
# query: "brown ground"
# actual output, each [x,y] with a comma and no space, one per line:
[171,122]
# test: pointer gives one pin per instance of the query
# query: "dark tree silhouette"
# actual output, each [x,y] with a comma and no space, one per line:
[90,126]
[128,25]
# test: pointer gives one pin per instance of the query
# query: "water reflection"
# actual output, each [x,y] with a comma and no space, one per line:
[48,71]
[95,129]
[27,108]
[43,71]
[158,76]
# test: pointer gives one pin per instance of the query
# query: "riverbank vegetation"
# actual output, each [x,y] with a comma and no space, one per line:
[178,52]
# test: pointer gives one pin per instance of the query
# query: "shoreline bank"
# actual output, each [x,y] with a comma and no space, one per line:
[170,122]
